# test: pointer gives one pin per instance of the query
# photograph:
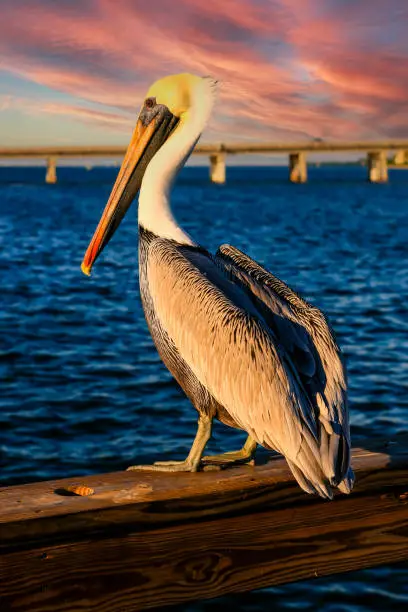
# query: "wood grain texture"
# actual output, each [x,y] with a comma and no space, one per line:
[146,540]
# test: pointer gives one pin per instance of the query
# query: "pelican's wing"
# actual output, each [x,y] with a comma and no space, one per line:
[306,336]
[229,346]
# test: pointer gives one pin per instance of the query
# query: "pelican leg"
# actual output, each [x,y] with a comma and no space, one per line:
[192,462]
[244,455]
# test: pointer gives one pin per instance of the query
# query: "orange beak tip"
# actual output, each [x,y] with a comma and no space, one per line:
[86,269]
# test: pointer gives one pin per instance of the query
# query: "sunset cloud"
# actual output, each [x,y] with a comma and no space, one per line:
[289,68]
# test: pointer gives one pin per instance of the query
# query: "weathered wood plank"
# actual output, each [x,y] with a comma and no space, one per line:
[33,511]
[145,540]
[185,562]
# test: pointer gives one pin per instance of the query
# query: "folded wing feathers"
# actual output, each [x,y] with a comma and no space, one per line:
[227,342]
[313,343]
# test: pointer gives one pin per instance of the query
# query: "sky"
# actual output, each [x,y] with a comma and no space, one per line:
[75,72]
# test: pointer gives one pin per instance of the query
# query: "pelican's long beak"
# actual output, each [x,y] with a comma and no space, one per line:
[147,138]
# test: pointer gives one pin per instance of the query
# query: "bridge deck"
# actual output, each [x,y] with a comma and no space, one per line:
[207,149]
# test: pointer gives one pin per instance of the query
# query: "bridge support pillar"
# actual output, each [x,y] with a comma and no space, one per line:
[217,168]
[401,157]
[51,174]
[377,167]
[297,167]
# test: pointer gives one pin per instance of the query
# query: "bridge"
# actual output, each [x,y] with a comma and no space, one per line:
[377,153]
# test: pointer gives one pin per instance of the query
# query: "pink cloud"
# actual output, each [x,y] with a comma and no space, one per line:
[309,68]
[113,120]
[357,53]
[89,115]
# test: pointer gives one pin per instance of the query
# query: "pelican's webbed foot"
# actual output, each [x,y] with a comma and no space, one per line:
[244,455]
[192,463]
[167,466]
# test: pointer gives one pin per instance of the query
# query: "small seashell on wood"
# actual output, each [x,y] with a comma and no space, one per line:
[81,490]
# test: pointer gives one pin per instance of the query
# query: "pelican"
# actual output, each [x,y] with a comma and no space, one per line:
[244,347]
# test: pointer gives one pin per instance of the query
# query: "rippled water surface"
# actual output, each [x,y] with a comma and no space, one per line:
[83,389]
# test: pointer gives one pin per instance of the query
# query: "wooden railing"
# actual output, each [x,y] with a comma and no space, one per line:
[143,540]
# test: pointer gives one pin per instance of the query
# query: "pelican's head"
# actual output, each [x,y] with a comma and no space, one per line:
[166,104]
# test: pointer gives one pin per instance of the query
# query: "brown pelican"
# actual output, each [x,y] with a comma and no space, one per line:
[243,346]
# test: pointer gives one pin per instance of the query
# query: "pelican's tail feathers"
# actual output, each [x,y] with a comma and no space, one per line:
[347,483]
[335,454]
[311,479]
[318,487]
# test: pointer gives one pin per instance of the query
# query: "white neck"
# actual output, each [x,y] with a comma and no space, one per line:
[154,206]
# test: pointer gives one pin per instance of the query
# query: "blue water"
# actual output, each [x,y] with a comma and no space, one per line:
[82,388]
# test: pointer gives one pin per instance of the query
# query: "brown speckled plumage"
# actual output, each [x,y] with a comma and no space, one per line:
[248,350]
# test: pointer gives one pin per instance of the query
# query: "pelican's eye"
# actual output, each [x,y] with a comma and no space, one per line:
[150,102]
